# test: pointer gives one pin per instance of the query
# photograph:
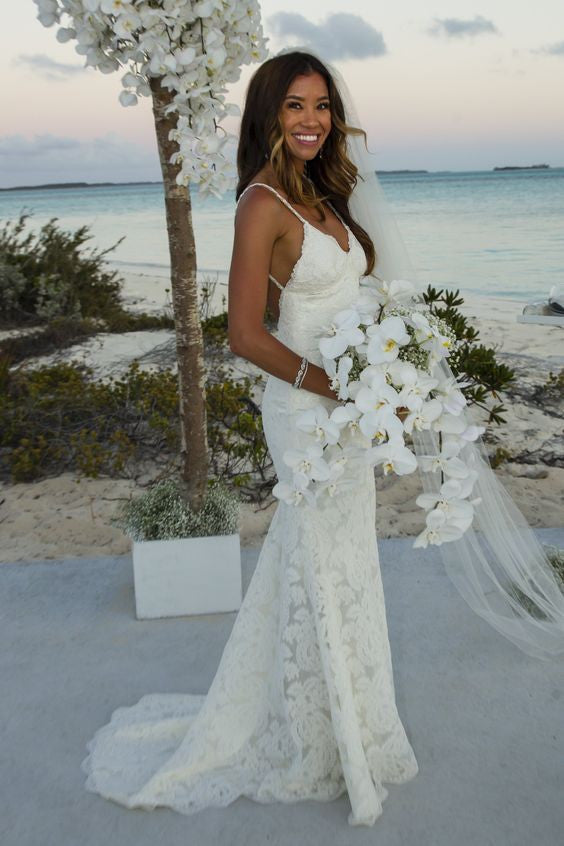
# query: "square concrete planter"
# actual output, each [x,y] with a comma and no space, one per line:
[187,576]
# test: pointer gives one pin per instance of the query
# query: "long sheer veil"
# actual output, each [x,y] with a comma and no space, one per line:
[498,566]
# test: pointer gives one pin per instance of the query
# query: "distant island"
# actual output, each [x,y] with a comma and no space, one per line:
[74,185]
[525,167]
[57,185]
[402,171]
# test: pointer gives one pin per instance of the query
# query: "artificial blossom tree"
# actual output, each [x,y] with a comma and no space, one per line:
[182,54]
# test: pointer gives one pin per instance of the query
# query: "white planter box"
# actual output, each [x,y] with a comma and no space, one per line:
[187,576]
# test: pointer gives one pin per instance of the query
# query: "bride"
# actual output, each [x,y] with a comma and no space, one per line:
[302,705]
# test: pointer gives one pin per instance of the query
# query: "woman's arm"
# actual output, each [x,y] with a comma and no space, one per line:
[259,222]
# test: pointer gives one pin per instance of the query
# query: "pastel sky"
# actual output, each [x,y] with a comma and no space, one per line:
[444,85]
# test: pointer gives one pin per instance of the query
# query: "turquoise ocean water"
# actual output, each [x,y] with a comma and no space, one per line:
[491,232]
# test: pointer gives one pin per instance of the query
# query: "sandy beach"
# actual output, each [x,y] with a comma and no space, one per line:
[69,516]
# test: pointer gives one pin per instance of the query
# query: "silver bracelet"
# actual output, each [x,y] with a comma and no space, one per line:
[301,373]
[304,373]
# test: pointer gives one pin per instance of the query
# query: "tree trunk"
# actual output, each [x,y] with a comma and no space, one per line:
[189,338]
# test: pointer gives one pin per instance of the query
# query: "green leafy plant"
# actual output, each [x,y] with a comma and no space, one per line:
[552,389]
[555,557]
[57,418]
[500,455]
[54,276]
[475,362]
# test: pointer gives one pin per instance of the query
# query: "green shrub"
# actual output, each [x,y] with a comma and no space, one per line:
[57,418]
[470,360]
[161,514]
[47,274]
[555,557]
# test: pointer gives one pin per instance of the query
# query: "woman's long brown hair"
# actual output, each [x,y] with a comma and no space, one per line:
[333,175]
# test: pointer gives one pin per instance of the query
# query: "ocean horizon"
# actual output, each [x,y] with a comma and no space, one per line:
[498,232]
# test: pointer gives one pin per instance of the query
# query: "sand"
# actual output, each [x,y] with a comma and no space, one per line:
[70,516]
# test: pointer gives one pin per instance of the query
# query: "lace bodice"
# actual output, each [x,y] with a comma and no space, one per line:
[324,280]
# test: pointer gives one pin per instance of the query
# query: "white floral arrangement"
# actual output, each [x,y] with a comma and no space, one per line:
[381,354]
[197,48]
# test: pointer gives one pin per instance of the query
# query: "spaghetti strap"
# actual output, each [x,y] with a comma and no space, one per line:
[336,213]
[280,197]
[286,203]
[276,282]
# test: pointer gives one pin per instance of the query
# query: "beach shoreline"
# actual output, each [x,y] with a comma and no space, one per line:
[69,516]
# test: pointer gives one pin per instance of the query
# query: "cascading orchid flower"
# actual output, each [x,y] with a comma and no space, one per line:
[197,48]
[369,354]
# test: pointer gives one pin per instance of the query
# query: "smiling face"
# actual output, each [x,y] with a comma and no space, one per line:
[306,116]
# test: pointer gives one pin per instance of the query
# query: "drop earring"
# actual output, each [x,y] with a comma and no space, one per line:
[321,152]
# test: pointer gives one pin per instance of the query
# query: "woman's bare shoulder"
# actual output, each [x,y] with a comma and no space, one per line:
[259,206]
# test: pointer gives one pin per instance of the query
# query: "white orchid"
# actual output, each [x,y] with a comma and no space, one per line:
[416,385]
[452,398]
[449,465]
[293,494]
[347,419]
[316,421]
[422,418]
[430,337]
[381,425]
[343,331]
[197,48]
[378,402]
[461,487]
[437,530]
[332,484]
[367,305]
[388,293]
[472,432]
[450,424]
[394,457]
[307,464]
[339,374]
[458,512]
[384,339]
[453,424]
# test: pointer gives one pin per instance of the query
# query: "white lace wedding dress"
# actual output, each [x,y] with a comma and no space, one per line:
[302,705]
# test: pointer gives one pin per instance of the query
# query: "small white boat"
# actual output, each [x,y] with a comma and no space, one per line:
[549,311]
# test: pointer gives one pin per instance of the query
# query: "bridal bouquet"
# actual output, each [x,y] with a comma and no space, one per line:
[381,354]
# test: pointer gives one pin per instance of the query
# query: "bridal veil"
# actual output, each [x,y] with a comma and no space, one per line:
[498,566]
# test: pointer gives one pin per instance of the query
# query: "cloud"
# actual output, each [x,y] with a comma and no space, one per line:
[459,28]
[48,68]
[556,49]
[340,36]
[51,158]
[18,145]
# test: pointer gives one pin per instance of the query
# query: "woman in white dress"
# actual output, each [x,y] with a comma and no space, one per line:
[302,705]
